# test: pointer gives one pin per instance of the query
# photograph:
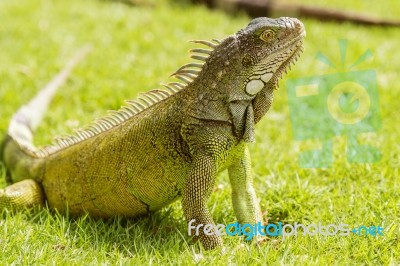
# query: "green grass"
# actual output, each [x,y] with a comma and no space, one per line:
[136,48]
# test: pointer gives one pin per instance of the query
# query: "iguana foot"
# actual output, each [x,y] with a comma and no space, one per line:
[24,194]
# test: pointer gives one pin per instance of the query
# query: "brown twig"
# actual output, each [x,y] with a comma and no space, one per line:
[257,8]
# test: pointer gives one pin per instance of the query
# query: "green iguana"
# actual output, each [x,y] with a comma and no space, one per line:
[169,144]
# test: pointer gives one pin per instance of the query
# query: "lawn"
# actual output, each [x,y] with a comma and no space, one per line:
[135,49]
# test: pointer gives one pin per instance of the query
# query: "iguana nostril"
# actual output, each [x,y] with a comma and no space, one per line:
[299,26]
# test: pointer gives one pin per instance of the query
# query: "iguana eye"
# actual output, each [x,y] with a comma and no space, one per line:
[267,35]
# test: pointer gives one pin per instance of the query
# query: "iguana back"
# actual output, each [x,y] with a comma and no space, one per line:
[135,167]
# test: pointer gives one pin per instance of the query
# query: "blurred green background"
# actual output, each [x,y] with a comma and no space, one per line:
[136,47]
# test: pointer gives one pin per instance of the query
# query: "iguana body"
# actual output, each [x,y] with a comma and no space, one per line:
[170,144]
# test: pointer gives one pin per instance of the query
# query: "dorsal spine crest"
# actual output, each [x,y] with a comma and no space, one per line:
[186,73]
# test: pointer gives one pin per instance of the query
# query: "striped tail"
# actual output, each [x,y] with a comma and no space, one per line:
[19,140]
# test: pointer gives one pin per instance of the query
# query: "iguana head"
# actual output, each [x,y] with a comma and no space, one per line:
[240,73]
[262,52]
[267,48]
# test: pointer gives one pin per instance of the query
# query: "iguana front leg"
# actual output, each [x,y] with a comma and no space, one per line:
[244,199]
[198,187]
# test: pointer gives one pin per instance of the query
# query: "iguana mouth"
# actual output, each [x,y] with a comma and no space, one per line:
[290,60]
[298,43]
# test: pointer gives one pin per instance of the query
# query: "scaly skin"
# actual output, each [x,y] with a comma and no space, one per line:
[172,148]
